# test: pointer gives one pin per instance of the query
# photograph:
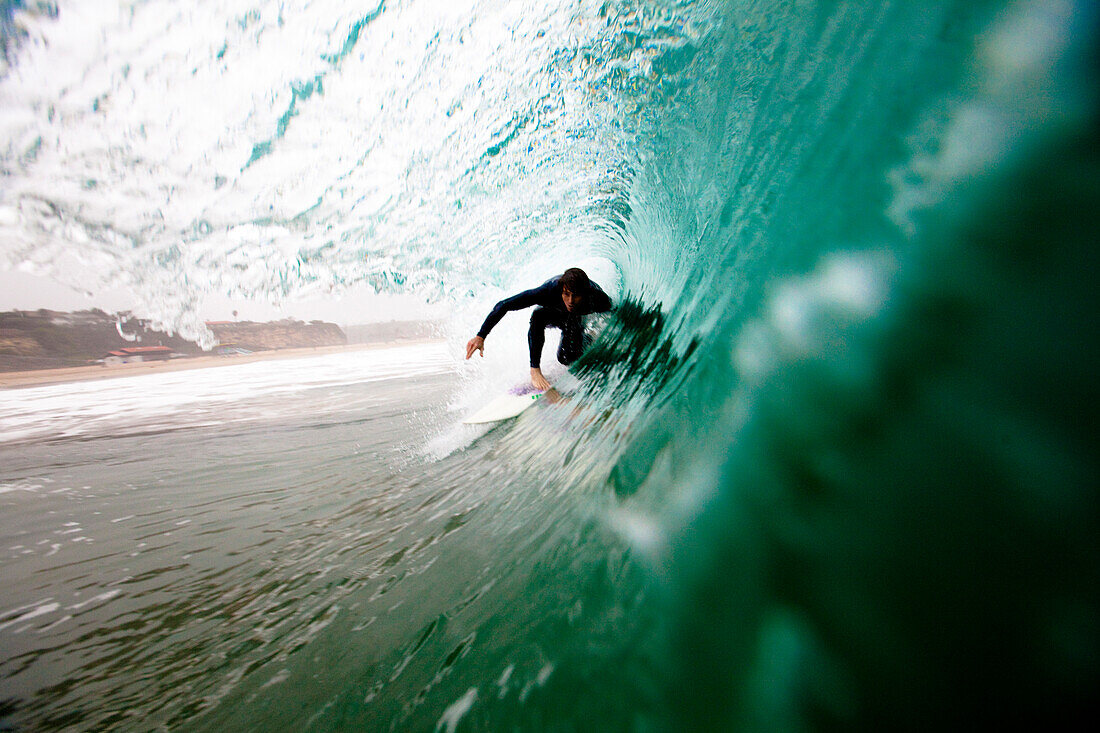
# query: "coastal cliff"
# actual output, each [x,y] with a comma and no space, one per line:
[46,339]
[284,334]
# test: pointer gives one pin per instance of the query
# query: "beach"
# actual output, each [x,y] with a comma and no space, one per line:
[41,377]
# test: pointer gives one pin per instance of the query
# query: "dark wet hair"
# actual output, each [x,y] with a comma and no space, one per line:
[575,281]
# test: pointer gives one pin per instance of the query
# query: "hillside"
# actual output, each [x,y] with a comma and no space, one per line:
[46,339]
[284,334]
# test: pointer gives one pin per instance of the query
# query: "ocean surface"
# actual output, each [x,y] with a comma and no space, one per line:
[830,464]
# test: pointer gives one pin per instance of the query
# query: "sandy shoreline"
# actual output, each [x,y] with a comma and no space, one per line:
[41,377]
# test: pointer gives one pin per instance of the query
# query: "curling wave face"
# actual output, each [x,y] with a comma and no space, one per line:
[839,410]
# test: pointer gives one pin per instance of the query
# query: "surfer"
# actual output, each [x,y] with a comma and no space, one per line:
[561,302]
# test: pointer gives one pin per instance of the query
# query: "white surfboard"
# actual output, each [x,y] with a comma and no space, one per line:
[506,406]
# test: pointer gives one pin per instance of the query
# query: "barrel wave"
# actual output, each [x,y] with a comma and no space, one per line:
[830,462]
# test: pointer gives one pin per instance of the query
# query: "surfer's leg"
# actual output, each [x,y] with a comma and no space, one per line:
[573,340]
[536,334]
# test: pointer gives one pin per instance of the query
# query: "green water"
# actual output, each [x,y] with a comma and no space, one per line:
[829,464]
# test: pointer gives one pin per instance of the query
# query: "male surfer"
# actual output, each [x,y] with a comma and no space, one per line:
[562,303]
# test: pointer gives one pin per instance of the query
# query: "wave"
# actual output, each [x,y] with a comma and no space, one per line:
[841,409]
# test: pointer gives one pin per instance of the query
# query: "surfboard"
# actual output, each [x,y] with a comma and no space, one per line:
[506,406]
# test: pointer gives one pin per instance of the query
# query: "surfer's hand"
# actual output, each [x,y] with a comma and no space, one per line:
[538,380]
[475,344]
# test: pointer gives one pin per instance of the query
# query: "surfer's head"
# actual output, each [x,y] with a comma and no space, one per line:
[574,285]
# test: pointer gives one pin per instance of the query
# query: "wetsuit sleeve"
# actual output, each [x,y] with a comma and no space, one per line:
[526,299]
[598,301]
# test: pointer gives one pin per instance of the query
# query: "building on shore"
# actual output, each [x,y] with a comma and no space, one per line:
[134,354]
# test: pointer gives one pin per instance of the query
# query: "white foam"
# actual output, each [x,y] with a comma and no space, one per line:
[20,486]
[100,598]
[42,610]
[190,398]
[456,710]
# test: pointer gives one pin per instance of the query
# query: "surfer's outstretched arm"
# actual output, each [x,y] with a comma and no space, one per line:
[526,299]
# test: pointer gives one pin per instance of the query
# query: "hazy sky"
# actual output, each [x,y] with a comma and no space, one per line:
[23,291]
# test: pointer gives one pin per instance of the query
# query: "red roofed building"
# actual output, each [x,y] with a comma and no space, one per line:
[138,353]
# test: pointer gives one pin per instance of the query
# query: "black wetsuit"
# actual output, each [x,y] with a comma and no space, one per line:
[551,312]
